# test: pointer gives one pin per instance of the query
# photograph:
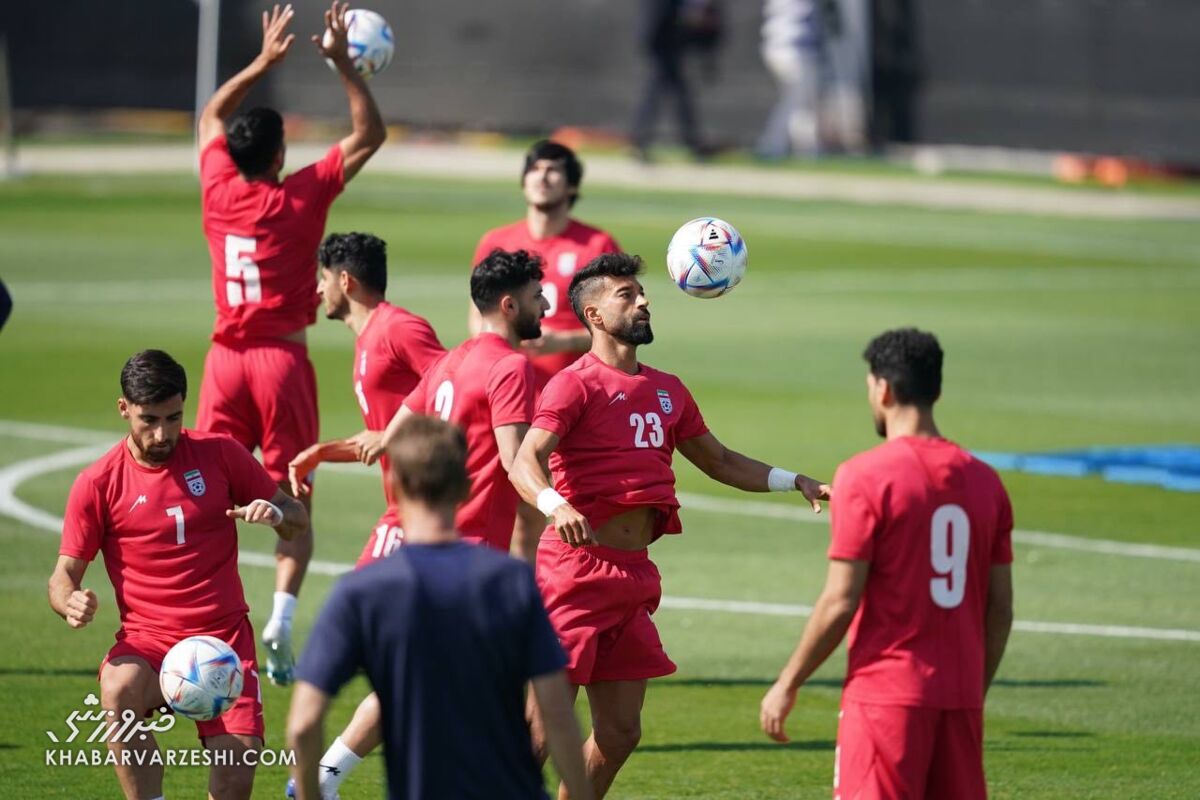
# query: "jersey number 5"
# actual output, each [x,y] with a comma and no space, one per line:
[242,281]
[950,538]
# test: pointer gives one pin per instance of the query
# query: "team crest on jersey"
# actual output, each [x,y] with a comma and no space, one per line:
[664,400]
[195,482]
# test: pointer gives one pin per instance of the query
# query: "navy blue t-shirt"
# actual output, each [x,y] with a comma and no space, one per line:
[448,636]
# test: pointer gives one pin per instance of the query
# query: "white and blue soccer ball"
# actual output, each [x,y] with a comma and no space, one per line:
[201,677]
[370,41]
[707,257]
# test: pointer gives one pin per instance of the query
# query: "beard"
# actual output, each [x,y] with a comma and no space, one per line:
[634,331]
[339,311]
[156,453]
[881,427]
[529,327]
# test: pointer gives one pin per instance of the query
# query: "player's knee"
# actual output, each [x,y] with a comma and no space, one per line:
[122,689]
[616,739]
[231,783]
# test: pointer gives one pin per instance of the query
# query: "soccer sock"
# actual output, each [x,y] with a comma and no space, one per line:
[336,764]
[284,609]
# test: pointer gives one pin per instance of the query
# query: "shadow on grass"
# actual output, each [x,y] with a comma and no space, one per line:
[763,682]
[31,672]
[733,747]
[1054,734]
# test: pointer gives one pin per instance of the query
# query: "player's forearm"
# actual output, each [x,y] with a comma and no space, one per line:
[366,122]
[563,739]
[739,471]
[529,476]
[295,520]
[231,94]
[824,632]
[997,626]
[338,451]
[60,588]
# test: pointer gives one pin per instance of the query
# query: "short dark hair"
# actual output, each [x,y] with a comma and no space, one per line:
[362,255]
[609,265]
[501,272]
[152,376]
[911,362]
[553,151]
[429,461]
[254,139]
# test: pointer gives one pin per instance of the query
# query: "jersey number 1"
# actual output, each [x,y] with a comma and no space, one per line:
[950,538]
[242,281]
[177,513]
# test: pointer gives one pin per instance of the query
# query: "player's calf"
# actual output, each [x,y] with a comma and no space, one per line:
[231,778]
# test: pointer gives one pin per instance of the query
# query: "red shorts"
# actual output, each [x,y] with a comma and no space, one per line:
[263,394]
[245,717]
[600,600]
[901,752]
[383,541]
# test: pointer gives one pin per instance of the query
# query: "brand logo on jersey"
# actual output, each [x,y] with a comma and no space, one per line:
[141,501]
[566,263]
[195,482]
[664,400]
[617,397]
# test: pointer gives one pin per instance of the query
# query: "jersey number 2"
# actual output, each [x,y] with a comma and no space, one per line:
[443,400]
[950,538]
[242,281]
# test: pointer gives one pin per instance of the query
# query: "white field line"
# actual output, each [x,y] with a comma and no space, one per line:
[690,501]
[13,475]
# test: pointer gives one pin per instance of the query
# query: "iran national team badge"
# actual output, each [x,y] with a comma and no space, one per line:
[664,400]
[195,482]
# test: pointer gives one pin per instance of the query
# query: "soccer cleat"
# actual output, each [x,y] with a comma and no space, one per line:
[281,664]
[291,792]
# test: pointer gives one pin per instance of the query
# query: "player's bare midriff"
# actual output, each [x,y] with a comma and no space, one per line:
[298,336]
[632,530]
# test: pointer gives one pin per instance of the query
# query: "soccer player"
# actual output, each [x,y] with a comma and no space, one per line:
[448,635]
[259,386]
[920,575]
[392,349]
[485,386]
[606,429]
[550,181]
[161,505]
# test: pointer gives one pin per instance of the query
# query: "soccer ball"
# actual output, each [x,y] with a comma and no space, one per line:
[707,257]
[201,677]
[370,42]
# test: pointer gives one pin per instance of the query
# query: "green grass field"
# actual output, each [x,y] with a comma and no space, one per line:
[1058,332]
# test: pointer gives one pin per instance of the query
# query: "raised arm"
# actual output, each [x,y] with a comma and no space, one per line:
[530,474]
[335,451]
[742,472]
[68,598]
[367,129]
[276,41]
[997,620]
[830,619]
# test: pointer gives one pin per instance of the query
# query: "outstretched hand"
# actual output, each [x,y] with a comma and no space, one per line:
[276,39]
[335,43]
[258,512]
[814,491]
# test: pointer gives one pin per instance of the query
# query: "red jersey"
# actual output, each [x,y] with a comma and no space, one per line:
[932,519]
[170,551]
[263,239]
[563,256]
[481,385]
[391,353]
[617,434]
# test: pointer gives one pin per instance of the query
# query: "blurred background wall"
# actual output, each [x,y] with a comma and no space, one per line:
[1110,76]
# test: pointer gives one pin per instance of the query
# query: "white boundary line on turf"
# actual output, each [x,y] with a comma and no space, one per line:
[13,475]
[691,501]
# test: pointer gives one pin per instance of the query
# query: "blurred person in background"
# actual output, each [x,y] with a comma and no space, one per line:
[792,36]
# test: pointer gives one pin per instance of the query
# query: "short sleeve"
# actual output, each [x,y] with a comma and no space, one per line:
[83,522]
[691,422]
[322,180]
[854,519]
[415,400]
[510,391]
[545,653]
[334,651]
[561,404]
[248,480]
[417,344]
[216,165]
[1002,545]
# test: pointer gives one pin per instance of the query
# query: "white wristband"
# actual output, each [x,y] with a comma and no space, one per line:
[276,514]
[548,500]
[780,480]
